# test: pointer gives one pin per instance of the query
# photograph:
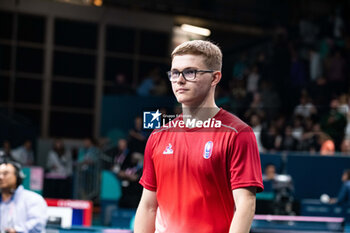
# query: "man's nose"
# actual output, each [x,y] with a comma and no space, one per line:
[181,78]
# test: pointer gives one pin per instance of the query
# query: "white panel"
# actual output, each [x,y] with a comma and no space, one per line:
[65,213]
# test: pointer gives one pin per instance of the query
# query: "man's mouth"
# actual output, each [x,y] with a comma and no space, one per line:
[181,90]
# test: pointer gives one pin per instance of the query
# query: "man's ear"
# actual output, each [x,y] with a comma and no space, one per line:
[216,78]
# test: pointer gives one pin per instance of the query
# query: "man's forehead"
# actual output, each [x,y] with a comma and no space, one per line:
[6,167]
[189,60]
[189,56]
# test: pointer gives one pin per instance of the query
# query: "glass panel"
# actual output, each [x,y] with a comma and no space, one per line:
[30,60]
[120,39]
[31,28]
[74,65]
[114,66]
[5,57]
[76,34]
[145,68]
[70,125]
[28,91]
[29,116]
[6,24]
[72,94]
[155,43]
[4,88]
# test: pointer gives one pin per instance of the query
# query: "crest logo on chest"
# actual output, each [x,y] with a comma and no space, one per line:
[168,150]
[208,149]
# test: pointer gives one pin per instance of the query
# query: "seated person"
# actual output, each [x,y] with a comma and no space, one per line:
[268,177]
[20,210]
[59,168]
[24,154]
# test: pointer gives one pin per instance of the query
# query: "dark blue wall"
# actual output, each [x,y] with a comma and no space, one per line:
[119,111]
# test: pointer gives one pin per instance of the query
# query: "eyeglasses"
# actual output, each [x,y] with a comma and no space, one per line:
[188,74]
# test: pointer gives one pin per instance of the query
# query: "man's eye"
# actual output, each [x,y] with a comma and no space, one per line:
[176,73]
[189,72]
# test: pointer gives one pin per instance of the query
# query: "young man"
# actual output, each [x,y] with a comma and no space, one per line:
[20,210]
[199,179]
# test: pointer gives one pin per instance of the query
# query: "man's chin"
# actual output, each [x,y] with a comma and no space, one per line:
[182,99]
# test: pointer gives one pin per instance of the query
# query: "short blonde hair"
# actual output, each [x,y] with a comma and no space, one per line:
[211,52]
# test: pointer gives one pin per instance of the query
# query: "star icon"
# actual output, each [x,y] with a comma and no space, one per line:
[155,115]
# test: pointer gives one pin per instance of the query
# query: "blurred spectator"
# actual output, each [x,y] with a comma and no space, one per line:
[153,84]
[336,72]
[316,68]
[308,30]
[320,93]
[338,24]
[262,66]
[305,107]
[334,124]
[137,137]
[222,99]
[347,129]
[88,166]
[283,188]
[270,99]
[21,210]
[160,86]
[118,154]
[256,106]
[59,166]
[269,172]
[121,86]
[298,129]
[327,144]
[5,152]
[344,192]
[310,139]
[240,68]
[257,128]
[325,47]
[289,143]
[59,160]
[253,80]
[345,147]
[129,175]
[88,154]
[270,138]
[280,123]
[343,107]
[24,154]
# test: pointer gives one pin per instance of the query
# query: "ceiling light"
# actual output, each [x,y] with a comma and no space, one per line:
[196,30]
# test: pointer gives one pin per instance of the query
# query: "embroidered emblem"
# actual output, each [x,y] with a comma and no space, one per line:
[208,150]
[168,150]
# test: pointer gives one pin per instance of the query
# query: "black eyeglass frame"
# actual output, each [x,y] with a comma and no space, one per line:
[183,75]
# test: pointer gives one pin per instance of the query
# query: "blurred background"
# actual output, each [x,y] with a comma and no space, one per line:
[76,75]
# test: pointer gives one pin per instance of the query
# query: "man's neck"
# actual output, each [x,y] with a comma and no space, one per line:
[199,113]
[6,194]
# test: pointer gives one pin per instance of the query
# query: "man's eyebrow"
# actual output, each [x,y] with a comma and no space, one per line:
[187,68]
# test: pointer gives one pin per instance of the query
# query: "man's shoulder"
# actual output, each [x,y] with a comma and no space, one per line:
[32,196]
[166,127]
[231,121]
